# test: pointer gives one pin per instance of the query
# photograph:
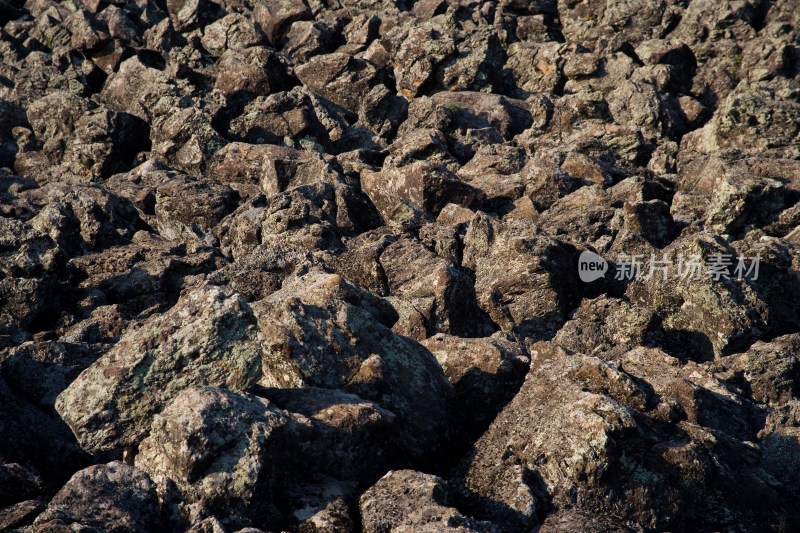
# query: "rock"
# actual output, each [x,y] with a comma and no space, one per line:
[112,497]
[212,340]
[536,68]
[421,52]
[274,17]
[442,292]
[39,371]
[405,500]
[231,32]
[523,278]
[602,324]
[729,195]
[274,168]
[768,370]
[186,15]
[486,372]
[279,116]
[422,185]
[38,442]
[188,209]
[305,323]
[186,138]
[19,483]
[476,67]
[20,514]
[733,315]
[288,250]
[84,219]
[306,39]
[754,119]
[211,451]
[563,459]
[255,70]
[339,77]
[312,216]
[346,437]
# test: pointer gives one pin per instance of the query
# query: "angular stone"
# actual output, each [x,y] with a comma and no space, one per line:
[112,497]
[209,337]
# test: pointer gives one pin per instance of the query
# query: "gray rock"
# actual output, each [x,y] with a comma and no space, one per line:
[212,339]
[212,451]
[405,500]
[112,497]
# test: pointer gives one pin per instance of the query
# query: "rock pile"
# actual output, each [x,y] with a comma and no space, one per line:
[318,265]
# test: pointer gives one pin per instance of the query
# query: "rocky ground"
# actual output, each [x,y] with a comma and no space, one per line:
[313,265]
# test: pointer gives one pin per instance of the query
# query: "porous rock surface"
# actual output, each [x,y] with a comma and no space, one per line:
[313,265]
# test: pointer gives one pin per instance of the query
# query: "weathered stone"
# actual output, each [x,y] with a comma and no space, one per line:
[274,168]
[112,497]
[311,320]
[212,339]
[212,451]
[523,277]
[405,500]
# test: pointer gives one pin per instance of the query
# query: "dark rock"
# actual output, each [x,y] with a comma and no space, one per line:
[213,340]
[305,323]
[211,451]
[112,497]
[405,500]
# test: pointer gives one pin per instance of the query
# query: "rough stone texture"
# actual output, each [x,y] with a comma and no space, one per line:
[282,248]
[306,327]
[112,497]
[610,451]
[405,500]
[209,337]
[211,451]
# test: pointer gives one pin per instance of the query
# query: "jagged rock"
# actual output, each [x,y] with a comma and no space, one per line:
[232,32]
[83,219]
[703,317]
[339,78]
[420,53]
[189,210]
[256,70]
[601,324]
[345,437]
[312,216]
[37,440]
[755,119]
[443,293]
[523,277]
[770,371]
[729,196]
[283,247]
[405,500]
[419,185]
[212,340]
[486,373]
[19,483]
[274,168]
[279,116]
[535,455]
[112,497]
[20,514]
[39,371]
[312,319]
[307,39]
[274,17]
[211,451]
